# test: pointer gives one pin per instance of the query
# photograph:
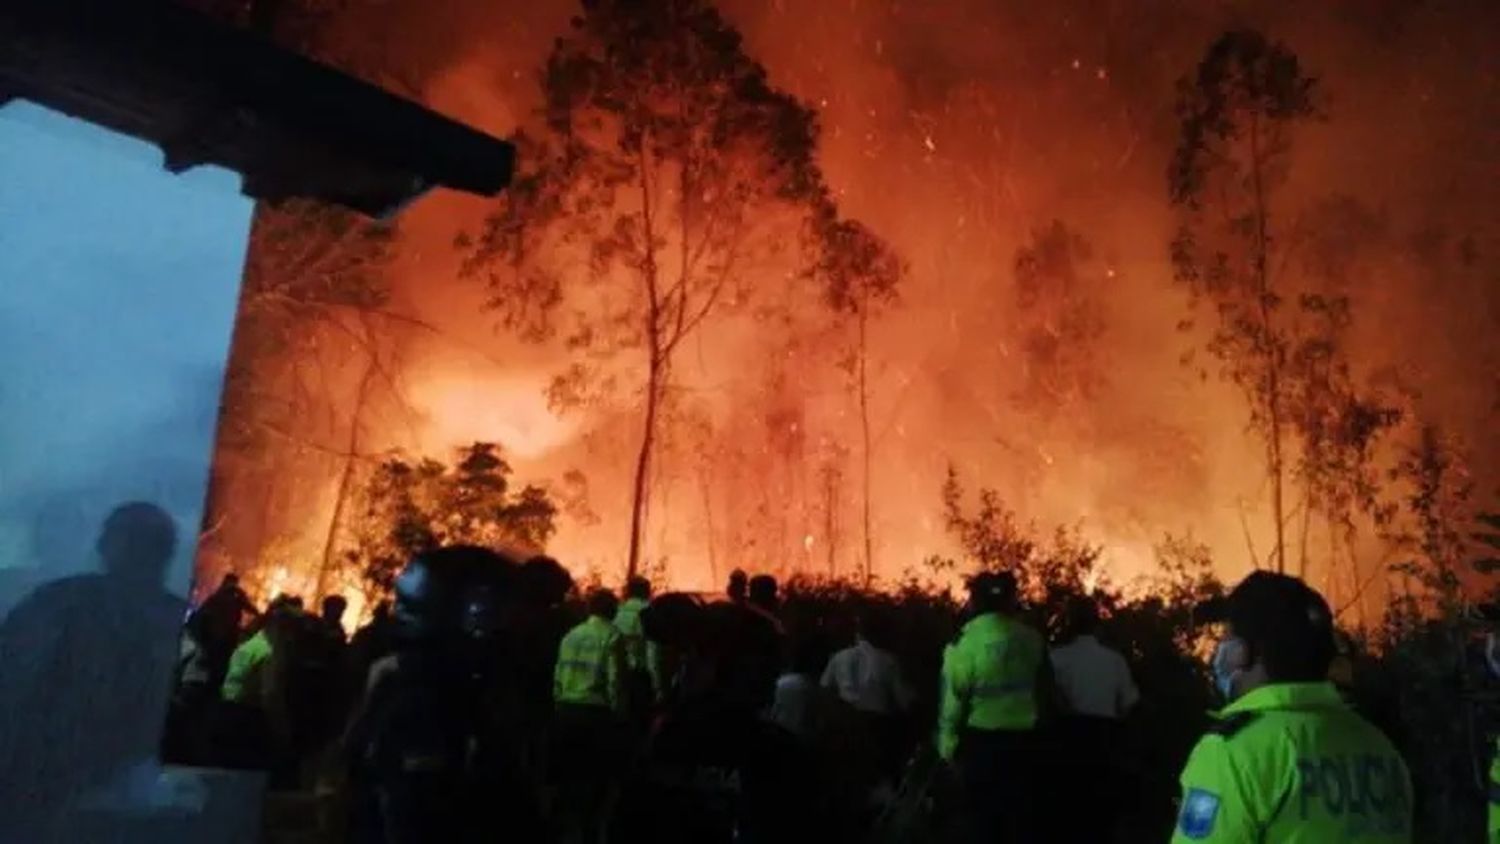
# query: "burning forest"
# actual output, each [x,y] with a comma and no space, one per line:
[854,290]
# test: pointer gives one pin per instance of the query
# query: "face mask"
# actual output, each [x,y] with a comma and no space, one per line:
[1224,672]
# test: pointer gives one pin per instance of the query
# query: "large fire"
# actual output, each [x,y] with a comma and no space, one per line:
[957,131]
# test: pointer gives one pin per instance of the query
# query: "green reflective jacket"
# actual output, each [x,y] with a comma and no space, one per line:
[1291,763]
[245,681]
[989,679]
[640,653]
[1494,820]
[590,666]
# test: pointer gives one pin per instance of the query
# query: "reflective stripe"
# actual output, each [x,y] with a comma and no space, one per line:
[991,690]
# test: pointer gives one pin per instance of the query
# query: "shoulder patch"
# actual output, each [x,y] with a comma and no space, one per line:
[1200,808]
[1227,727]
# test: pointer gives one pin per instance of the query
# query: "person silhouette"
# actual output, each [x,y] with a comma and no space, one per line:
[85,671]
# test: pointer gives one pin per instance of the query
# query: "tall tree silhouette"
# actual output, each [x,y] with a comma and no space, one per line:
[860,275]
[1237,113]
[668,179]
[314,291]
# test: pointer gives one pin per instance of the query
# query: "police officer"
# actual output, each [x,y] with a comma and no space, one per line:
[424,761]
[1287,760]
[590,670]
[642,655]
[1490,614]
[713,771]
[987,722]
[588,688]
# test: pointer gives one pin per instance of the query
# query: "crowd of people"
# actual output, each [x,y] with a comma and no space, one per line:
[493,701]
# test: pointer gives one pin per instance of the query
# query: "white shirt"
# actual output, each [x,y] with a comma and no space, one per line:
[794,707]
[1094,680]
[868,679]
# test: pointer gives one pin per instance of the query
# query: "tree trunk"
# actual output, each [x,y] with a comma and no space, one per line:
[346,482]
[642,467]
[1330,577]
[830,524]
[656,344]
[1356,578]
[705,490]
[1273,349]
[864,422]
[1278,505]
[663,503]
[1306,529]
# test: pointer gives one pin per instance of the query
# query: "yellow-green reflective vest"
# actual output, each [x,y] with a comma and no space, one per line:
[245,681]
[641,654]
[1291,763]
[1494,819]
[590,666]
[989,679]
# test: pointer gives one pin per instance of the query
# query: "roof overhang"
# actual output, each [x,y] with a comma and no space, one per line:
[207,93]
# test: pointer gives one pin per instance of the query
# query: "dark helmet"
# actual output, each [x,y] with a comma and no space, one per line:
[993,590]
[452,593]
[673,619]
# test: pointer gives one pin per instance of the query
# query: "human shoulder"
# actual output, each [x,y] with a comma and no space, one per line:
[1224,737]
[882,657]
[1025,631]
[382,671]
[1230,726]
[255,647]
[53,600]
[607,634]
[1361,731]
[1233,776]
[966,632]
[573,634]
[1261,745]
[1211,764]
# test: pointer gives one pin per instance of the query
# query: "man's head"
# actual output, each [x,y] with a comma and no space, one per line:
[137,542]
[230,582]
[763,591]
[603,603]
[284,604]
[638,587]
[993,591]
[737,585]
[452,593]
[873,625]
[1083,617]
[1279,630]
[543,582]
[672,620]
[334,607]
[281,618]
